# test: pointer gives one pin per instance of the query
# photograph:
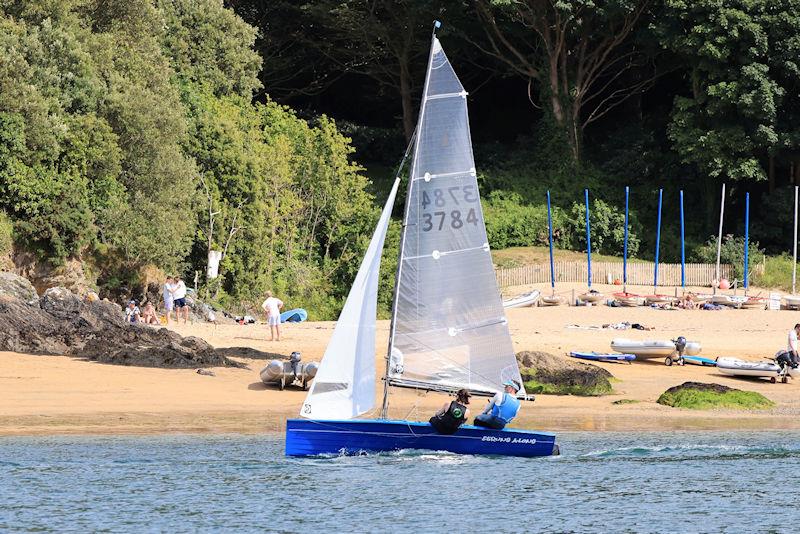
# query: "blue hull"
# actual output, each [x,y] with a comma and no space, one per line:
[307,437]
[601,357]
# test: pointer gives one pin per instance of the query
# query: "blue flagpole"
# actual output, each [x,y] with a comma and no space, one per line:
[683,248]
[588,236]
[658,242]
[625,245]
[746,237]
[550,234]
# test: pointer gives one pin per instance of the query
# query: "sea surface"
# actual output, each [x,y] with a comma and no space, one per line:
[602,482]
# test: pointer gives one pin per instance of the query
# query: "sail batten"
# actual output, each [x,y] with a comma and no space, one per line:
[448,327]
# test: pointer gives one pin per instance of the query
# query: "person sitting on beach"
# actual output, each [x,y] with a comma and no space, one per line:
[132,313]
[149,314]
[687,302]
[452,414]
[502,408]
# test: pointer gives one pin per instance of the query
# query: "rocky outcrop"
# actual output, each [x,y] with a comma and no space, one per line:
[62,323]
[70,274]
[12,285]
[546,373]
[704,396]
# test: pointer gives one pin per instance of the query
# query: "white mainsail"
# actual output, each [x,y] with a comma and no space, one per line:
[344,386]
[449,329]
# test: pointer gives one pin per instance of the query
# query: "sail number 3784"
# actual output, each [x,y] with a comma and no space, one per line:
[449,197]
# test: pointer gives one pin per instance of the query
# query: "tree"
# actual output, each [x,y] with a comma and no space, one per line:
[579,55]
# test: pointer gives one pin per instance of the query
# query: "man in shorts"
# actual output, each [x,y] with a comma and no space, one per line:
[179,300]
[272,306]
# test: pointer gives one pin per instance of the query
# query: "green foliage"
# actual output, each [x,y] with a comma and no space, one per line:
[739,87]
[580,390]
[210,46]
[6,235]
[777,273]
[511,223]
[731,252]
[694,399]
[607,225]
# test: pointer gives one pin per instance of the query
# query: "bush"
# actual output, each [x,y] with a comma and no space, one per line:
[510,223]
[777,273]
[607,229]
[732,252]
[6,235]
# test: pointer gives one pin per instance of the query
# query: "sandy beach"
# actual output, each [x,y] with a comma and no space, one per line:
[57,394]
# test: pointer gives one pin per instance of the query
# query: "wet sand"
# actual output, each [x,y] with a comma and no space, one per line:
[58,395]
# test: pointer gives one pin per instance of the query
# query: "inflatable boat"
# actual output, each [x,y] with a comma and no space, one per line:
[600,357]
[754,303]
[652,348]
[737,367]
[659,299]
[523,301]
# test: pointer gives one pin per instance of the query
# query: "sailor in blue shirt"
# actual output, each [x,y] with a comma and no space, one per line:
[502,408]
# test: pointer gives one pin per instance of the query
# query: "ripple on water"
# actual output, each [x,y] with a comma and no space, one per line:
[603,482]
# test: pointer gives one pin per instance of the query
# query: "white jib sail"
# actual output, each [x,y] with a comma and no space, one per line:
[344,386]
[449,329]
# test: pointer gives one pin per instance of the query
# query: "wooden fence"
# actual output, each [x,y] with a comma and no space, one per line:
[669,274]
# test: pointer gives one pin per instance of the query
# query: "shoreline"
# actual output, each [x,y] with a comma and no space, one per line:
[60,395]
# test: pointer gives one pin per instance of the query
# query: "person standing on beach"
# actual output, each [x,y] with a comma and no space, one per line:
[272,306]
[179,299]
[166,293]
[502,408]
[792,348]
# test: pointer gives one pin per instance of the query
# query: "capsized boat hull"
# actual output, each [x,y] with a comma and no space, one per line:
[309,437]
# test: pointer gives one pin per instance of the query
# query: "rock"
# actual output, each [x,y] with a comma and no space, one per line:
[703,396]
[699,386]
[43,275]
[17,286]
[62,323]
[545,373]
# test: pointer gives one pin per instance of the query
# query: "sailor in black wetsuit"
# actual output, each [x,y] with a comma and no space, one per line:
[453,414]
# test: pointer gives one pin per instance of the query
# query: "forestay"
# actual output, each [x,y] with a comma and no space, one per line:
[344,386]
[449,329]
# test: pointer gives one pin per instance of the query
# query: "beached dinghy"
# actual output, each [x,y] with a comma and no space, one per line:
[652,348]
[792,301]
[552,300]
[439,339]
[603,357]
[737,367]
[629,300]
[523,301]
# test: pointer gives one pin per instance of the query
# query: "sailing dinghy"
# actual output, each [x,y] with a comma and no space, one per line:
[448,328]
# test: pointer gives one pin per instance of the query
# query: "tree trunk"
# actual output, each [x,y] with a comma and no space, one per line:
[771,173]
[406,100]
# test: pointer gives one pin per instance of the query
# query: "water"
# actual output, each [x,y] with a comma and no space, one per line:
[603,482]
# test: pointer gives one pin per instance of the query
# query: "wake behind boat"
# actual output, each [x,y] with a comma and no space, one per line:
[439,339]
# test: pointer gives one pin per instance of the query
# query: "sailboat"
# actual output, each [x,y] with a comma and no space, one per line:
[448,329]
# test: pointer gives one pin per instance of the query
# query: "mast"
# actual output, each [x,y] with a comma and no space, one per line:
[392,324]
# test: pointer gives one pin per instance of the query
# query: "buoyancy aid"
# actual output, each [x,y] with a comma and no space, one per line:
[506,410]
[449,421]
